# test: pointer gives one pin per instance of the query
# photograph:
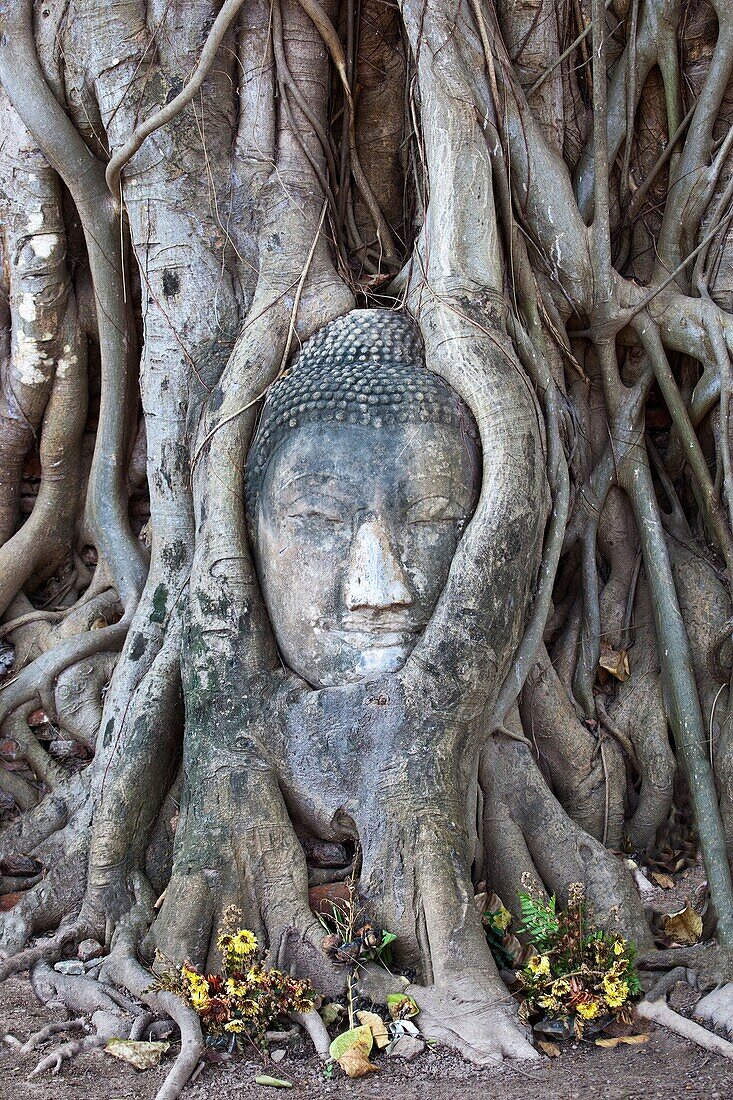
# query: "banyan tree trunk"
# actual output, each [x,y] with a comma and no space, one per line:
[188,192]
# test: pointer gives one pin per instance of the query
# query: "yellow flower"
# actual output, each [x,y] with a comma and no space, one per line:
[502,918]
[198,987]
[618,947]
[244,942]
[237,945]
[235,988]
[550,1002]
[256,976]
[236,1026]
[588,1010]
[539,965]
[560,987]
[615,991]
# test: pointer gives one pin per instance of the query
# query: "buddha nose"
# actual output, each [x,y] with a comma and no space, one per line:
[374,577]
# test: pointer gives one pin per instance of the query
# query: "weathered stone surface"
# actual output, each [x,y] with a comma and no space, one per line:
[408,1048]
[322,853]
[90,949]
[70,967]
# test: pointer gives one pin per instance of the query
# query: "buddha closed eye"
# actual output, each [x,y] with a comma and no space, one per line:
[356,505]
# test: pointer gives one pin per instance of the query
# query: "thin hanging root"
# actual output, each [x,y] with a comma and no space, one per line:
[326,29]
[38,1038]
[659,1012]
[55,1059]
[168,113]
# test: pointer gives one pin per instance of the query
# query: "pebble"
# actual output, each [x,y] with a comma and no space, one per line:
[277,1055]
[408,1048]
[90,949]
[70,967]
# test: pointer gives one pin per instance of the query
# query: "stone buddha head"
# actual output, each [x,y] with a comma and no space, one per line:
[363,472]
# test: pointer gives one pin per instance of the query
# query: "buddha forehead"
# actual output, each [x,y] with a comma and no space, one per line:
[382,469]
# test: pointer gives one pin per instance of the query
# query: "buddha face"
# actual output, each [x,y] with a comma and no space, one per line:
[355,531]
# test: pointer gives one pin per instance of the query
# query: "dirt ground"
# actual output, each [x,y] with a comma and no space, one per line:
[665,1068]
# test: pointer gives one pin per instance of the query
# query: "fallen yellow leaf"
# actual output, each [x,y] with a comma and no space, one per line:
[552,1050]
[629,1040]
[615,661]
[376,1026]
[139,1054]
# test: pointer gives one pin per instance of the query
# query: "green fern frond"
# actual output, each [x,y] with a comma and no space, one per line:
[539,920]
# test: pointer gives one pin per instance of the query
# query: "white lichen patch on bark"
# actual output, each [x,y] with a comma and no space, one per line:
[29,360]
[43,244]
[27,307]
[67,361]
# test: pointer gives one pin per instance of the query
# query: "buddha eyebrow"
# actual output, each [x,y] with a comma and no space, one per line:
[314,481]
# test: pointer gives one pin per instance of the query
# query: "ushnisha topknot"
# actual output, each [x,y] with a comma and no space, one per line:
[367,368]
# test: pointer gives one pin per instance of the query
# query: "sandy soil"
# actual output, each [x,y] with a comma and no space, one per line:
[665,1068]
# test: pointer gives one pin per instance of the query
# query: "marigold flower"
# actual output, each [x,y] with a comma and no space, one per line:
[235,988]
[244,942]
[615,991]
[588,1010]
[235,1026]
[539,965]
[197,987]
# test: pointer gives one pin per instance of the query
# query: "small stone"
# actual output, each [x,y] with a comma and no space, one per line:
[408,1048]
[375,984]
[277,1055]
[19,865]
[90,949]
[70,967]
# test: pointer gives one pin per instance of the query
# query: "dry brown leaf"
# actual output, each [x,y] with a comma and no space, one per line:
[376,1026]
[629,1040]
[615,661]
[355,1062]
[663,880]
[552,1050]
[684,927]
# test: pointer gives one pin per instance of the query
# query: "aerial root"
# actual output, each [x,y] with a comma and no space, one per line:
[41,1037]
[659,1012]
[56,1058]
[48,950]
[716,1008]
[316,1029]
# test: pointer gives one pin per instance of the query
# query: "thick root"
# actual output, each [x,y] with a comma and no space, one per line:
[716,1008]
[659,1012]
[474,1019]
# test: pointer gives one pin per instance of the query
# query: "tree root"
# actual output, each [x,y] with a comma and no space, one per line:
[41,1037]
[473,1020]
[716,1008]
[659,1012]
[66,1052]
[314,1025]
